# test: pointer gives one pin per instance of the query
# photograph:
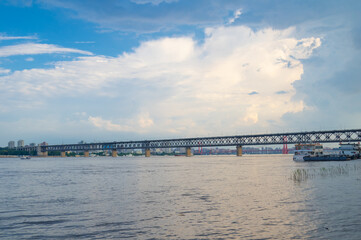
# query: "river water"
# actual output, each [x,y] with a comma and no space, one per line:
[200,197]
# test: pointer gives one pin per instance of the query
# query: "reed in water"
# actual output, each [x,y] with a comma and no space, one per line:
[302,174]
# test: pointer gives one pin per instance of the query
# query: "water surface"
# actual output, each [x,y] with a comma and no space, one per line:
[201,197]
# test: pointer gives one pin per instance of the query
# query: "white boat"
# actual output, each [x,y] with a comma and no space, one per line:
[314,152]
[351,150]
[307,150]
[25,157]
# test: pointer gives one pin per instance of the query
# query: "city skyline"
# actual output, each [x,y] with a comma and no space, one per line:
[141,69]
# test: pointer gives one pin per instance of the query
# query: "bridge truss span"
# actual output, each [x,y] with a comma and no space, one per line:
[353,135]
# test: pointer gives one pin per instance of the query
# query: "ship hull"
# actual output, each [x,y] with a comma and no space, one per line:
[326,158]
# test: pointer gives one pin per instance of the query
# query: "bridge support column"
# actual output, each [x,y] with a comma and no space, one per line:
[239,150]
[147,152]
[188,152]
[114,153]
[43,154]
[86,153]
[62,154]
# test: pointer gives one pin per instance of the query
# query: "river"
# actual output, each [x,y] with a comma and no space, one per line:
[199,197]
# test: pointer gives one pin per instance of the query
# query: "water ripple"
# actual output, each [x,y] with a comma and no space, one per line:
[217,197]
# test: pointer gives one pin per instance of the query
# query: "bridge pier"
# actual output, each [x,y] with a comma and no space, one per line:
[239,150]
[43,154]
[62,154]
[86,153]
[114,153]
[188,152]
[147,152]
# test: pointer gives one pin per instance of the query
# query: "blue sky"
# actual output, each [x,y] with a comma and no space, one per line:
[109,70]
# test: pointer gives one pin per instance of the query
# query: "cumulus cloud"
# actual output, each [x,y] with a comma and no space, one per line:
[305,47]
[108,125]
[179,86]
[36,48]
[331,82]
[139,124]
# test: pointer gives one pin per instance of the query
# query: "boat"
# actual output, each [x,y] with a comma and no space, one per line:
[303,150]
[351,150]
[331,157]
[314,152]
[25,157]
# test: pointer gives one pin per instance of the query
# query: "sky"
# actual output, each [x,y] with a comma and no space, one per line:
[118,70]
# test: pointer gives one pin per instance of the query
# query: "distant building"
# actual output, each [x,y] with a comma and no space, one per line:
[32,144]
[43,144]
[11,145]
[21,143]
[138,151]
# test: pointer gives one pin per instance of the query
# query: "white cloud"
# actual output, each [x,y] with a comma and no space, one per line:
[139,124]
[4,71]
[29,59]
[108,125]
[305,47]
[177,86]
[81,114]
[4,37]
[36,48]
[236,15]
[144,121]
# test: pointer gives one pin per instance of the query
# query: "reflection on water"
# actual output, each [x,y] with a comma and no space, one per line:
[202,197]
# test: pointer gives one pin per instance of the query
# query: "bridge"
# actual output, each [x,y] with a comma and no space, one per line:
[352,135]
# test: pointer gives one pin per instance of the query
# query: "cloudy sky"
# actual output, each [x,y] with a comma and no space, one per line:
[115,70]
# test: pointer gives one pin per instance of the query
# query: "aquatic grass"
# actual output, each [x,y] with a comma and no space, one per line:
[302,174]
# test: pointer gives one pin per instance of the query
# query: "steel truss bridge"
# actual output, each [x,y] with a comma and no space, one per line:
[353,135]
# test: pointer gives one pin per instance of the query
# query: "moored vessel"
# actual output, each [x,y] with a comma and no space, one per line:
[330,157]
[303,150]
[314,152]
[351,150]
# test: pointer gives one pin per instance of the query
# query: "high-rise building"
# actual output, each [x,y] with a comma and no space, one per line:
[11,145]
[32,144]
[21,143]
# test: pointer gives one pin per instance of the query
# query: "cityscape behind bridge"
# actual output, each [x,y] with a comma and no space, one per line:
[333,136]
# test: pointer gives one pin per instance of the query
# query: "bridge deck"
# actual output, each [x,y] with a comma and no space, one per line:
[353,135]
